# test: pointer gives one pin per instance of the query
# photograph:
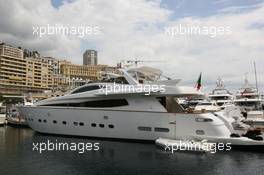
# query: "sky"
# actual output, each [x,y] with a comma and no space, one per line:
[148,30]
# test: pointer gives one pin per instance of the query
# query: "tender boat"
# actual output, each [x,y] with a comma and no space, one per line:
[14,118]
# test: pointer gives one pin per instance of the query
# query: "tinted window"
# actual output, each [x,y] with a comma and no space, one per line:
[203,120]
[85,89]
[161,129]
[96,104]
[144,128]
[106,103]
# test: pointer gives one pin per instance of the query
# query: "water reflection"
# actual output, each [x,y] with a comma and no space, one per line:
[115,157]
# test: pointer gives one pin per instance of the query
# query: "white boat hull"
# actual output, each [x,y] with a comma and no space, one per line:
[2,119]
[125,123]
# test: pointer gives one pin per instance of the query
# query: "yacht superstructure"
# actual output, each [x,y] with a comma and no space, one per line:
[220,95]
[247,97]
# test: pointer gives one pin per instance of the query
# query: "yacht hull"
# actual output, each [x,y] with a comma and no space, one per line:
[120,124]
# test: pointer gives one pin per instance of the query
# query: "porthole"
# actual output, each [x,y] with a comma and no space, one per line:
[75,123]
[93,124]
[101,125]
[39,120]
[81,123]
[54,121]
[111,126]
[200,132]
[64,122]
[45,121]
[144,128]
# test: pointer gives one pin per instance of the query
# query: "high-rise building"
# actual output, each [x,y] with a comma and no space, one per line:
[90,57]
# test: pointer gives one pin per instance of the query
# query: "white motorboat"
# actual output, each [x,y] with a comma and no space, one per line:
[220,95]
[207,106]
[100,110]
[2,115]
[14,118]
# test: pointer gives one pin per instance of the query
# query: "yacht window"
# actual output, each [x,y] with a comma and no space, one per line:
[111,126]
[81,123]
[200,132]
[144,128]
[39,120]
[64,122]
[45,121]
[85,89]
[93,124]
[101,125]
[204,104]
[95,104]
[106,103]
[161,129]
[54,121]
[75,123]
[203,120]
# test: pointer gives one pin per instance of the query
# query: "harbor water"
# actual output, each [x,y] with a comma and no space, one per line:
[17,156]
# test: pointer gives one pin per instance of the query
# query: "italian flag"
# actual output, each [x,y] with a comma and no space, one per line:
[199,82]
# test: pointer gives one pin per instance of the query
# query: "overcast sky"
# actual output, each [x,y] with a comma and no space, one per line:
[137,29]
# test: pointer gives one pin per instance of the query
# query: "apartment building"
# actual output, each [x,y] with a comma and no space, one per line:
[20,74]
[22,71]
[82,72]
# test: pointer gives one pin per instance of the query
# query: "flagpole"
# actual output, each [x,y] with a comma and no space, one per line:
[256,78]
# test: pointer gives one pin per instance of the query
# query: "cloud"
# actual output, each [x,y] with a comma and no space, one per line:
[135,29]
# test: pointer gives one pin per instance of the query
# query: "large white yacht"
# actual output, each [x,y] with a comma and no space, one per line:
[249,100]
[220,95]
[122,114]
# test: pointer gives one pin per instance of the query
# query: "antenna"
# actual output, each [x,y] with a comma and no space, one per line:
[256,78]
